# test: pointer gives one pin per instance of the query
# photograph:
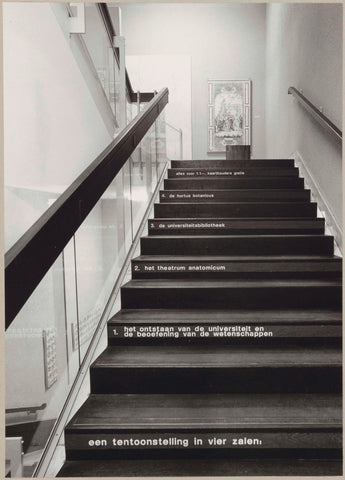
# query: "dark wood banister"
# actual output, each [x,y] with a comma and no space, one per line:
[316,113]
[105,14]
[34,253]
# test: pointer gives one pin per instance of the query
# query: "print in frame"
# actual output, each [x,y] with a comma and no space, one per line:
[229,119]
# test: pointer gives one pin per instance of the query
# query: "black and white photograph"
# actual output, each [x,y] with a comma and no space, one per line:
[172,239]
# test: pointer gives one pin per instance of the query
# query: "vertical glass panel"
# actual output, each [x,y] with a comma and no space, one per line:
[161,144]
[141,179]
[37,376]
[116,91]
[71,308]
[129,110]
[100,49]
[24,204]
[173,142]
[101,248]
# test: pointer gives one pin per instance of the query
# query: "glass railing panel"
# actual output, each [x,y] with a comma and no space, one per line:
[130,113]
[115,93]
[173,142]
[37,374]
[71,308]
[161,142]
[24,204]
[142,163]
[47,341]
[100,49]
[102,243]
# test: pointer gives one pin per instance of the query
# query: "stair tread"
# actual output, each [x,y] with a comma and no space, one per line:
[249,161]
[242,171]
[197,467]
[227,316]
[229,283]
[213,204]
[235,190]
[243,219]
[247,181]
[245,166]
[242,209]
[246,195]
[244,258]
[201,356]
[212,237]
[205,411]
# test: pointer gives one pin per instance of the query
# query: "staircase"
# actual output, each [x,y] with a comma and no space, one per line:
[226,356]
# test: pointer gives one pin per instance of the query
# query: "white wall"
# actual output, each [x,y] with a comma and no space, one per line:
[154,72]
[224,41]
[304,50]
[52,128]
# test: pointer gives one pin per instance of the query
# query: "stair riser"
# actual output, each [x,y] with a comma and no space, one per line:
[235,227]
[214,466]
[213,333]
[266,245]
[208,196]
[184,333]
[197,232]
[268,270]
[172,380]
[278,297]
[232,172]
[284,163]
[239,210]
[231,183]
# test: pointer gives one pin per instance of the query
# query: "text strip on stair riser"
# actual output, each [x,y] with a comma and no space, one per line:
[204,440]
[204,331]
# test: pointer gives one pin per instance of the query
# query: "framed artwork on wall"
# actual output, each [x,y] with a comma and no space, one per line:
[229,118]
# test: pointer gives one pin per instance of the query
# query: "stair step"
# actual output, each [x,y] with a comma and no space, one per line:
[227,172]
[254,163]
[233,424]
[238,245]
[196,467]
[226,357]
[231,183]
[217,369]
[136,327]
[191,266]
[180,293]
[235,209]
[239,226]
[170,196]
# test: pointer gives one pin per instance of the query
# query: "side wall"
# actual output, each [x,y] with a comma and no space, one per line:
[304,50]
[224,41]
[52,127]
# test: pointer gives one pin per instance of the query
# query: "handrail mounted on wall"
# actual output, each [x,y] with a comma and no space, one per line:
[316,113]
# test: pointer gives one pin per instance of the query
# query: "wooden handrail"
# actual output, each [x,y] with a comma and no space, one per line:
[316,113]
[34,253]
